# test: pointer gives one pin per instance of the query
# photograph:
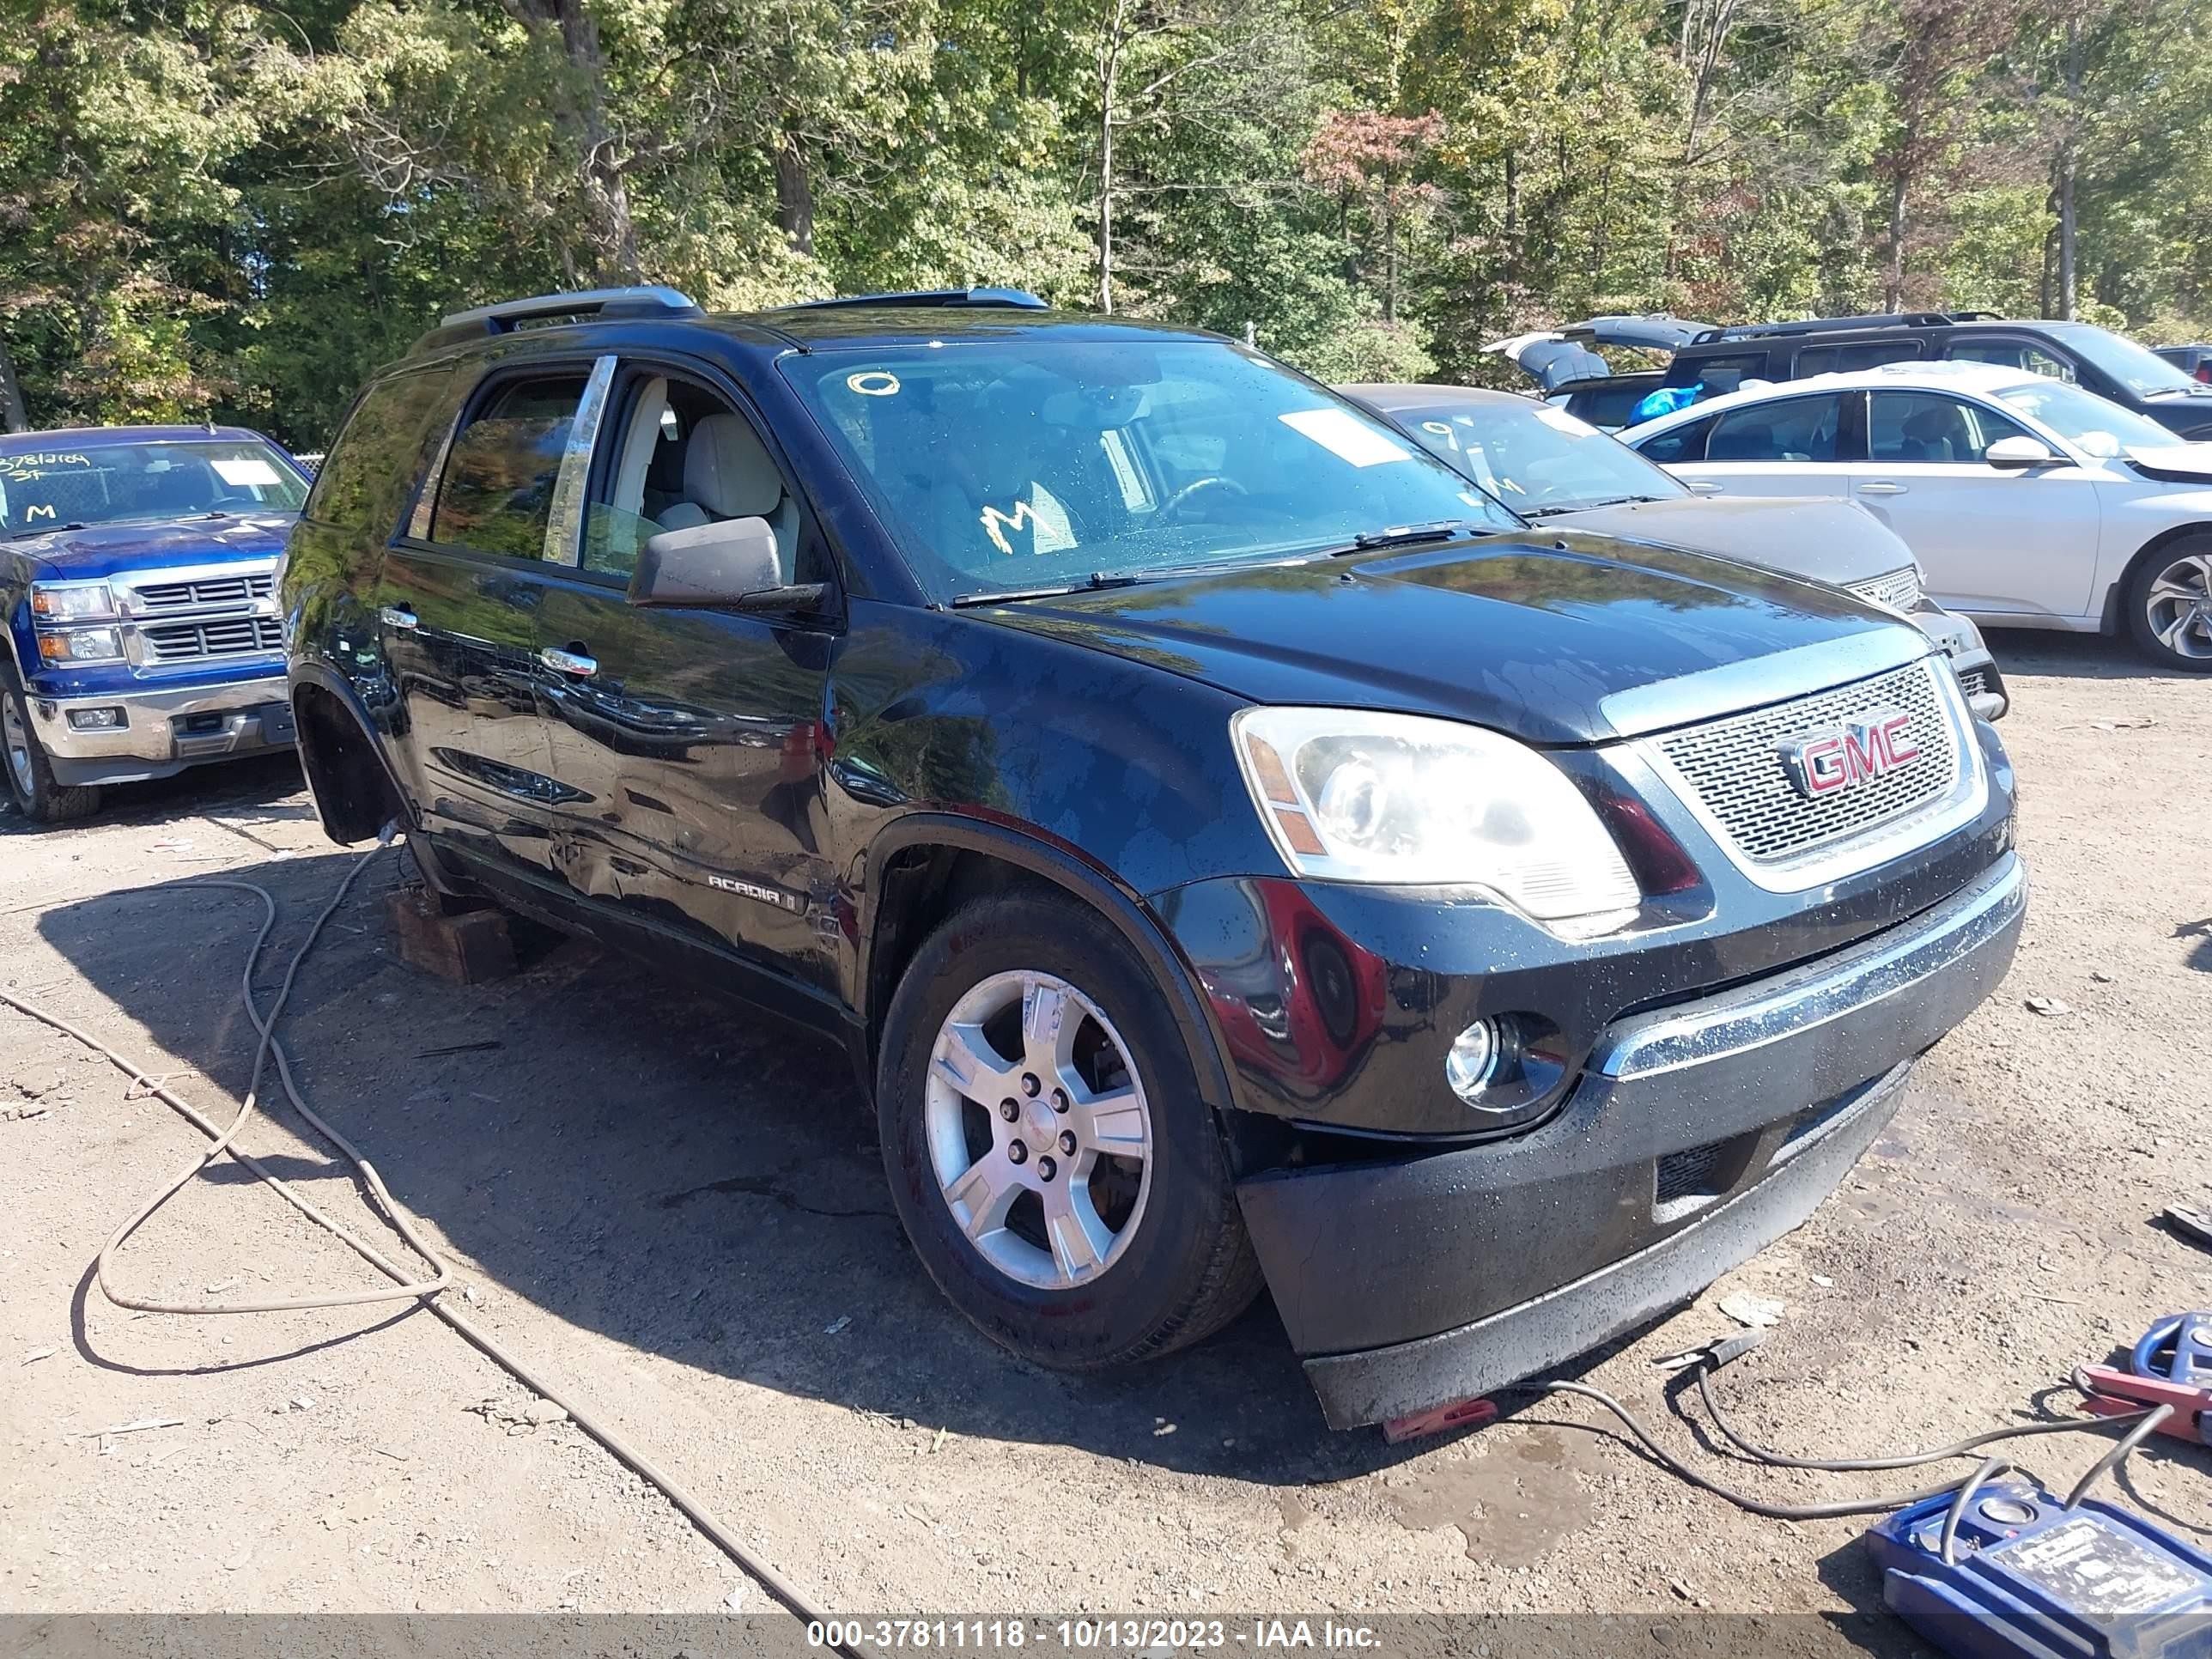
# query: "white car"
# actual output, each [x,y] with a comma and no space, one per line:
[2029,502]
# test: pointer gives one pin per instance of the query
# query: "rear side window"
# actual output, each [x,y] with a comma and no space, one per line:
[1684,443]
[497,495]
[1609,407]
[1794,429]
[1844,359]
[364,481]
[1720,375]
[2012,354]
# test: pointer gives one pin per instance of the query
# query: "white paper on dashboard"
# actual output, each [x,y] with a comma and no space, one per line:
[1345,436]
[244,471]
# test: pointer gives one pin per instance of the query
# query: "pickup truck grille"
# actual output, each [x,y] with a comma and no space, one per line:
[155,598]
[1734,770]
[1900,590]
[233,636]
[191,615]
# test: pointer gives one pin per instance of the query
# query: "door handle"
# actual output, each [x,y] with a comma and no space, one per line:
[1704,486]
[1881,487]
[398,616]
[570,662]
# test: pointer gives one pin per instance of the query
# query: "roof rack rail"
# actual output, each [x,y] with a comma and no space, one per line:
[598,303]
[1019,299]
[1838,324]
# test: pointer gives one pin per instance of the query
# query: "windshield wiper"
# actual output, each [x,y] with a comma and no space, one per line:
[1549,508]
[1092,583]
[43,530]
[1409,535]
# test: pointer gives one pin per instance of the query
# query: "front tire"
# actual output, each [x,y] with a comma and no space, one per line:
[1048,1147]
[28,773]
[2169,605]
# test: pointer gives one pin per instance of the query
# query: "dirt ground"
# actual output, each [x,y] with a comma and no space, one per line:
[674,1206]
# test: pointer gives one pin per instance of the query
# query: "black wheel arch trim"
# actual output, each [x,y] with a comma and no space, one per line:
[1069,869]
[307,672]
[2116,597]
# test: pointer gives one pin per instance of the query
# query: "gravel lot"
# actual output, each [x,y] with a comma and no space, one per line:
[672,1204]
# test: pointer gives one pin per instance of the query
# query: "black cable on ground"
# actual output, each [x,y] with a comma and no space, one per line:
[1682,1471]
[406,1285]
[2118,1455]
[1972,1443]
[2146,1422]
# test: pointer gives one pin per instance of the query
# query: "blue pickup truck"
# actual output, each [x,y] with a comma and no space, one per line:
[137,582]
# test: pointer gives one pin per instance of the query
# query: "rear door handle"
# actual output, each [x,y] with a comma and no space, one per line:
[395,617]
[570,662]
[1881,487]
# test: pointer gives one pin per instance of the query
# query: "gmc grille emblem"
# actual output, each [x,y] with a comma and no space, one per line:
[1821,762]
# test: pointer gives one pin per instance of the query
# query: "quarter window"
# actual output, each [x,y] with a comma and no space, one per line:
[2012,354]
[1722,375]
[497,495]
[380,455]
[1929,427]
[1793,429]
[1686,442]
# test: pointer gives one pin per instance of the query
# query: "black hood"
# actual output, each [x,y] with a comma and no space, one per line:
[1567,640]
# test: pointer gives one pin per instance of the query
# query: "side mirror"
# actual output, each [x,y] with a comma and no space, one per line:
[730,566]
[2019,451]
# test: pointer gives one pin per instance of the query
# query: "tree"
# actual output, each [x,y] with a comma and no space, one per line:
[1939,51]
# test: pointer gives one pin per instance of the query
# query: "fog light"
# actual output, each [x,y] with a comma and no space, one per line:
[95,719]
[1473,1057]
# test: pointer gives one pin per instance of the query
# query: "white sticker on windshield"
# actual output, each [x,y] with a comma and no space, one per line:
[1560,421]
[1345,436]
[244,471]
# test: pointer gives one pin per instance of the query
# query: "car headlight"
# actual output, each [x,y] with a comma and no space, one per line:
[79,645]
[1353,795]
[68,602]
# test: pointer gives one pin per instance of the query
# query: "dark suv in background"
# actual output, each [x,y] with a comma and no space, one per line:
[1231,847]
[1720,360]
[2165,385]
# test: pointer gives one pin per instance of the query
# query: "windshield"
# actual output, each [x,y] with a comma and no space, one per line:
[1023,463]
[43,490]
[1534,457]
[2096,425]
[2139,369]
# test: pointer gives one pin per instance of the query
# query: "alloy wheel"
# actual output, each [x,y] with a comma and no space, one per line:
[15,737]
[2177,605]
[1038,1130]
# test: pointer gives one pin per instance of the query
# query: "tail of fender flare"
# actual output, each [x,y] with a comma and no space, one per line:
[1066,867]
[327,680]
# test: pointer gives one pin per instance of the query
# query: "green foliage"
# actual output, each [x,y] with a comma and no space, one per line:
[221,209]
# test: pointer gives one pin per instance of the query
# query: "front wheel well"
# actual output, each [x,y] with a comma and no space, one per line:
[352,792]
[917,888]
[2116,597]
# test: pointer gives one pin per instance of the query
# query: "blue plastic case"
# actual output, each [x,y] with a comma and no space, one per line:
[2035,1580]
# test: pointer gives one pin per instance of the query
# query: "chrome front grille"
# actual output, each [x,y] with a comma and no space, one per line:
[199,613]
[1900,590]
[1733,773]
[228,636]
[155,598]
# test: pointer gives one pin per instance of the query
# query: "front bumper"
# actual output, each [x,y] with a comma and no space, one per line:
[1698,1133]
[164,731]
[1961,640]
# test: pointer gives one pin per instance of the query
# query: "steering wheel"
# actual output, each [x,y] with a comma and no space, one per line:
[1174,503]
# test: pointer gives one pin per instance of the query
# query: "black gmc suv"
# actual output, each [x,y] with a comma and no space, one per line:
[1231,847]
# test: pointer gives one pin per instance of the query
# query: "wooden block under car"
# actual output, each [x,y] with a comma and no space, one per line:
[466,947]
